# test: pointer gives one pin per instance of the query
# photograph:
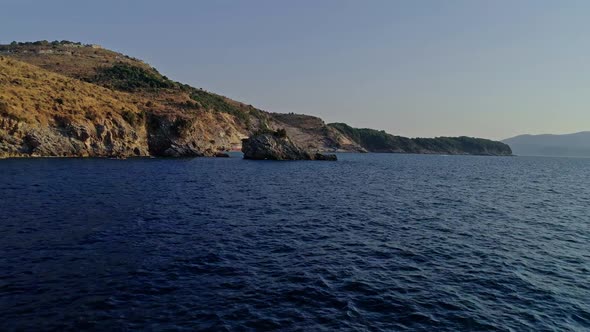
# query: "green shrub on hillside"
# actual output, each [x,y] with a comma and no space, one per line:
[133,118]
[181,126]
[130,78]
[211,101]
[281,133]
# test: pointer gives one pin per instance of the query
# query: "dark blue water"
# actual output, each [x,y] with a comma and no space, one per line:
[371,242]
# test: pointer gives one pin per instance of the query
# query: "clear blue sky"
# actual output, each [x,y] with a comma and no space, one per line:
[416,68]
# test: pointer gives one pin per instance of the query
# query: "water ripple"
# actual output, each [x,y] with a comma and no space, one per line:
[370,243]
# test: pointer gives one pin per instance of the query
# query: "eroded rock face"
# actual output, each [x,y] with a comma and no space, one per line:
[204,134]
[269,146]
[49,114]
[112,137]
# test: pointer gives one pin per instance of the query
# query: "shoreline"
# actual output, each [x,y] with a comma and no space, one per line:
[229,156]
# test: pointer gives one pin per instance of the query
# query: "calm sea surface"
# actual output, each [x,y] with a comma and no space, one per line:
[371,242]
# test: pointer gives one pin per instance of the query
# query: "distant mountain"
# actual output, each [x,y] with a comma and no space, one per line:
[569,145]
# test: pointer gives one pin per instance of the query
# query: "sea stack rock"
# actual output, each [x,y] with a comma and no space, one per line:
[269,145]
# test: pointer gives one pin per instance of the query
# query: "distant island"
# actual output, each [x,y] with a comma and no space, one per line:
[69,99]
[568,145]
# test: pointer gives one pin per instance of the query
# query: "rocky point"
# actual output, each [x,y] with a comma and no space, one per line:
[277,146]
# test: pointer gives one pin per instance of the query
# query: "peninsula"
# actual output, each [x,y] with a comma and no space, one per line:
[68,99]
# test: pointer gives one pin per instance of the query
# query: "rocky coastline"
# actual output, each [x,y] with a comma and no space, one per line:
[66,99]
[277,146]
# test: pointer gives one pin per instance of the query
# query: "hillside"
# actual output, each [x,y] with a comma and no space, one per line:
[569,145]
[380,141]
[181,120]
[45,114]
[68,99]
[48,114]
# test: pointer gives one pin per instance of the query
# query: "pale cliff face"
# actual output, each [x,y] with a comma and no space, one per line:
[277,146]
[312,133]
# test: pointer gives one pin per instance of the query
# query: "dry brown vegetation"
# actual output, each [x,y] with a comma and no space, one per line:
[119,72]
[77,62]
[126,107]
[34,95]
[51,82]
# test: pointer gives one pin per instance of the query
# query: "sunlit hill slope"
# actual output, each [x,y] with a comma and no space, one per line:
[69,99]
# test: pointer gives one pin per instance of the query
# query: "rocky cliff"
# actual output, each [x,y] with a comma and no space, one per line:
[57,86]
[313,133]
[45,114]
[68,99]
[277,146]
[65,99]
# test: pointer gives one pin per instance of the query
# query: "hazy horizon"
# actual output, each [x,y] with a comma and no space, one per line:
[412,68]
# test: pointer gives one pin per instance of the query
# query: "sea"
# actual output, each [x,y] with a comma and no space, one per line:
[372,242]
